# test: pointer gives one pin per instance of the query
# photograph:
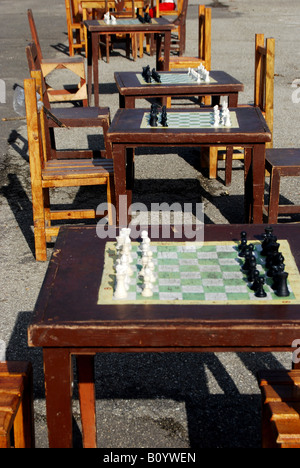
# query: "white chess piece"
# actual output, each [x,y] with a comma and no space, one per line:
[144,265]
[227,121]
[147,290]
[107,18]
[121,290]
[113,20]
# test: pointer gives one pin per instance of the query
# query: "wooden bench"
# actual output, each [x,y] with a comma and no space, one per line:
[280,390]
[16,405]
[281,162]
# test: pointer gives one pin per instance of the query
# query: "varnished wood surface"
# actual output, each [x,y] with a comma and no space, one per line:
[160,24]
[128,83]
[67,314]
[126,128]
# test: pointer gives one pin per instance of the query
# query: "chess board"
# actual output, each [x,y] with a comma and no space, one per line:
[188,120]
[197,273]
[125,22]
[174,79]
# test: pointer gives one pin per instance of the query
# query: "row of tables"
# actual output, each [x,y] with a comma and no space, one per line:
[68,320]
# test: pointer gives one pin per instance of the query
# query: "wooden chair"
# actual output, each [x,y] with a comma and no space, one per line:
[263,98]
[73,64]
[178,37]
[16,405]
[280,162]
[46,173]
[74,117]
[280,391]
[74,24]
[204,44]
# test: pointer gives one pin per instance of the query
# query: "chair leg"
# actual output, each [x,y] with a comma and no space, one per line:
[228,165]
[213,162]
[274,196]
[39,224]
[86,384]
[111,202]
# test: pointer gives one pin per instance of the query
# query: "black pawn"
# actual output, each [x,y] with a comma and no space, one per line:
[255,284]
[243,239]
[252,268]
[242,247]
[260,292]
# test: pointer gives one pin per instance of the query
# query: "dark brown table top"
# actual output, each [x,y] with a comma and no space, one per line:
[126,128]
[124,25]
[67,314]
[129,84]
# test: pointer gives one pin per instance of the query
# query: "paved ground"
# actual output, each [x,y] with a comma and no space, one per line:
[178,401]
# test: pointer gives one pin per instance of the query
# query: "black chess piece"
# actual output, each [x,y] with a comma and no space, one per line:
[156,76]
[260,292]
[147,18]
[252,268]
[255,284]
[243,247]
[243,238]
[153,119]
[164,117]
[147,74]
[281,284]
[140,18]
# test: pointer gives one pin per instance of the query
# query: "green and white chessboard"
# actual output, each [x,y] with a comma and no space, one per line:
[194,273]
[188,120]
[124,22]
[174,79]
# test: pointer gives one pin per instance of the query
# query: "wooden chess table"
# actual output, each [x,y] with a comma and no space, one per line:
[69,320]
[132,86]
[129,130]
[161,27]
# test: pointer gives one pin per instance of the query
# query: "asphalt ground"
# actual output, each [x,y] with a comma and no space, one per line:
[184,401]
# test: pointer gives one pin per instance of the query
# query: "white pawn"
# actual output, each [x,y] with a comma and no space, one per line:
[151,270]
[227,121]
[127,250]
[147,290]
[126,265]
[145,246]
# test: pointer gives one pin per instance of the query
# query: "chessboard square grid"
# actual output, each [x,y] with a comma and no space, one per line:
[189,274]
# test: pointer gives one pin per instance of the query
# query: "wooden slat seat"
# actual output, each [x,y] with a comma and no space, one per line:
[46,173]
[16,405]
[280,390]
[67,170]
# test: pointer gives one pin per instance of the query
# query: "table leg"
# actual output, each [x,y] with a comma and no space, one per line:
[95,58]
[58,380]
[122,193]
[162,64]
[233,100]
[89,67]
[254,183]
[86,388]
[248,186]
[258,176]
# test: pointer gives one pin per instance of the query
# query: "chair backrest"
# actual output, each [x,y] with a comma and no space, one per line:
[34,34]
[264,78]
[204,32]
[35,145]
